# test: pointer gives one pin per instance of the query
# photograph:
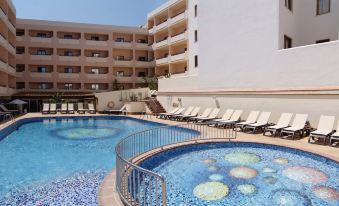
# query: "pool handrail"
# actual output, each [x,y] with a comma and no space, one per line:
[132,179]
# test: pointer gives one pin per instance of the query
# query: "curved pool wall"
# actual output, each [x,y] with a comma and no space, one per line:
[60,160]
[245,174]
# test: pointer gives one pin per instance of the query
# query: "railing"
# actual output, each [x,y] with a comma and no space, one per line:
[141,187]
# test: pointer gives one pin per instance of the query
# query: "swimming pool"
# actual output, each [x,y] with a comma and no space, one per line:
[219,174]
[60,161]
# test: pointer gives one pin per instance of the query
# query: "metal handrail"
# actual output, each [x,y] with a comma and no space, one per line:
[137,185]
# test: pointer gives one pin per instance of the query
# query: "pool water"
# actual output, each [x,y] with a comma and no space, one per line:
[246,174]
[61,161]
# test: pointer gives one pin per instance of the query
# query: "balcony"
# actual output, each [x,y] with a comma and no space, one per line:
[3,41]
[162,43]
[97,59]
[125,44]
[124,79]
[69,58]
[178,38]
[96,43]
[179,57]
[143,46]
[164,60]
[151,30]
[19,38]
[69,75]
[161,26]
[69,41]
[41,40]
[123,63]
[178,18]
[145,64]
[40,75]
[96,76]
[41,57]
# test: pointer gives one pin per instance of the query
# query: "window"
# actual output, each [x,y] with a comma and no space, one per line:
[42,86]
[196,10]
[120,73]
[289,4]
[68,36]
[196,60]
[141,74]
[95,86]
[94,38]
[142,59]
[322,41]
[120,39]
[68,70]
[20,50]
[323,7]
[287,42]
[95,54]
[68,53]
[42,35]
[20,32]
[120,58]
[142,41]
[41,52]
[95,71]
[68,86]
[196,35]
[42,70]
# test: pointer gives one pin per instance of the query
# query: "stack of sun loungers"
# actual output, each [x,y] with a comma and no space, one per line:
[66,108]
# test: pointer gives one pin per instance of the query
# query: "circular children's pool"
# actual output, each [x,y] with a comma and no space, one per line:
[221,174]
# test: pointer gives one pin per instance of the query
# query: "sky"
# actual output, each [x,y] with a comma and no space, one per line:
[108,12]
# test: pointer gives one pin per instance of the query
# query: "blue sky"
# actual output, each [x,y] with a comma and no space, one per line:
[110,12]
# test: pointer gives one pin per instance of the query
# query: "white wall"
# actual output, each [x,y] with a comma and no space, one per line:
[192,45]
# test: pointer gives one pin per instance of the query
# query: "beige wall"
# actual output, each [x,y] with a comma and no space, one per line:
[81,61]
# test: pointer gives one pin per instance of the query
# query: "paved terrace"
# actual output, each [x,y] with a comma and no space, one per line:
[107,192]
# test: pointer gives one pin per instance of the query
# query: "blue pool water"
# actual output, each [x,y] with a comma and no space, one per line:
[245,174]
[60,161]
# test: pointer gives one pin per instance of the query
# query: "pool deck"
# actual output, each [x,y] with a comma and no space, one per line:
[107,191]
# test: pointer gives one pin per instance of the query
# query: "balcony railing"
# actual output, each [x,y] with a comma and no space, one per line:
[178,37]
[97,59]
[41,39]
[96,43]
[179,56]
[69,41]
[178,18]
[69,58]
[161,26]
[123,62]
[69,75]
[164,60]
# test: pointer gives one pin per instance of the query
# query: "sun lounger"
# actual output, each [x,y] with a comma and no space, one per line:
[324,129]
[4,109]
[52,109]
[232,121]
[70,108]
[252,118]
[63,109]
[225,117]
[81,109]
[162,115]
[335,136]
[45,108]
[91,108]
[283,122]
[194,113]
[118,111]
[179,111]
[187,112]
[211,116]
[298,126]
[260,124]
[206,113]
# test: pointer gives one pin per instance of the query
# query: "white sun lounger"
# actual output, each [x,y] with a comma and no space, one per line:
[206,113]
[334,136]
[70,108]
[297,127]
[179,111]
[161,115]
[91,108]
[52,108]
[63,108]
[81,109]
[232,121]
[118,111]
[324,129]
[187,112]
[225,117]
[45,108]
[211,116]
[252,118]
[194,113]
[260,124]
[282,123]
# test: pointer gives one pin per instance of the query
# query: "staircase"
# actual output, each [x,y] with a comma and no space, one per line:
[154,106]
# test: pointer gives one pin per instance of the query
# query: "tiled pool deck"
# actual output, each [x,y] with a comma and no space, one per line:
[107,192]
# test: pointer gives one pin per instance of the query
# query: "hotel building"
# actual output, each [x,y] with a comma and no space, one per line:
[74,57]
[7,48]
